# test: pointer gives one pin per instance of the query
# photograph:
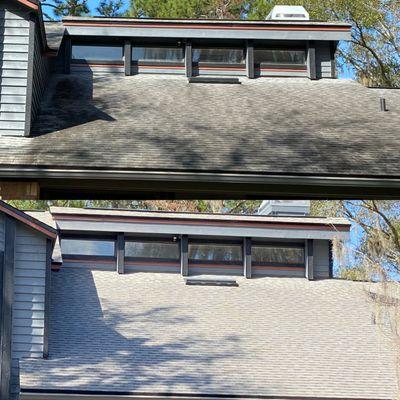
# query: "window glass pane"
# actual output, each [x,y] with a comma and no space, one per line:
[279,255]
[215,252]
[97,53]
[152,250]
[87,247]
[274,56]
[159,54]
[218,56]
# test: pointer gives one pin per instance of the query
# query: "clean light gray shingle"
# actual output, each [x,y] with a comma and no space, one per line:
[270,336]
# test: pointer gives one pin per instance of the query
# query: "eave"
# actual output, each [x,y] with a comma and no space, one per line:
[93,395]
[206,28]
[28,220]
[124,184]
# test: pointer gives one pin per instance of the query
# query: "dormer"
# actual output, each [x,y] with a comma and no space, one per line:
[279,46]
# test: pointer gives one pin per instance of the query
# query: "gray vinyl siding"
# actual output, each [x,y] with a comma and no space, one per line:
[29,293]
[323,60]
[14,46]
[85,68]
[321,259]
[1,232]
[259,272]
[205,270]
[152,268]
[218,72]
[23,75]
[95,265]
[287,74]
[40,75]
[154,70]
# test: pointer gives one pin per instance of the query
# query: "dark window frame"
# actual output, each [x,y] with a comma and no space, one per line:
[205,64]
[194,261]
[139,63]
[94,238]
[97,61]
[279,245]
[299,66]
[155,241]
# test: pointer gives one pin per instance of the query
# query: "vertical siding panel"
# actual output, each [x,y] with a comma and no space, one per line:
[321,259]
[1,232]
[323,59]
[24,71]
[14,37]
[28,307]
[40,75]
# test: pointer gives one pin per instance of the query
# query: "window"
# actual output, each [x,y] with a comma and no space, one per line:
[278,255]
[159,250]
[158,54]
[87,247]
[276,56]
[210,252]
[97,53]
[218,55]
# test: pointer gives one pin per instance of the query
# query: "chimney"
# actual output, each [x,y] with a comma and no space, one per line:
[288,13]
[283,208]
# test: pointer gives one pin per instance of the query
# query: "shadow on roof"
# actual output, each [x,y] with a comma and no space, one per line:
[68,103]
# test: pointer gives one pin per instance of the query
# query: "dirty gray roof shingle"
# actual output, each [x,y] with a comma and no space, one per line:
[162,123]
[150,333]
[54,34]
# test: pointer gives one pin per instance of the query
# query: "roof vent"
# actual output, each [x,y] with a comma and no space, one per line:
[211,281]
[212,79]
[285,208]
[288,13]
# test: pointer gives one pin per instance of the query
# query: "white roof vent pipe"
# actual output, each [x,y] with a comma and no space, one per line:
[288,13]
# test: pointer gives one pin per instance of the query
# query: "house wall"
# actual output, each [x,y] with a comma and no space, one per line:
[1,232]
[29,293]
[204,269]
[321,259]
[14,48]
[40,75]
[23,69]
[323,60]
[258,271]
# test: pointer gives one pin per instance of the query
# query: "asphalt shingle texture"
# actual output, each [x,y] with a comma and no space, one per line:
[271,336]
[163,123]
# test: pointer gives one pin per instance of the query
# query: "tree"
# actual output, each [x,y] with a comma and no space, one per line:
[376,255]
[374,49]
[110,8]
[188,8]
[213,206]
[373,52]
[63,8]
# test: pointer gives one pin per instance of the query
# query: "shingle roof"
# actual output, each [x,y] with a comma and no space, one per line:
[54,34]
[162,123]
[151,333]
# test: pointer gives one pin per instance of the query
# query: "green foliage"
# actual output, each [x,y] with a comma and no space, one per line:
[110,8]
[188,8]
[376,229]
[354,274]
[75,8]
[211,206]
[374,51]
